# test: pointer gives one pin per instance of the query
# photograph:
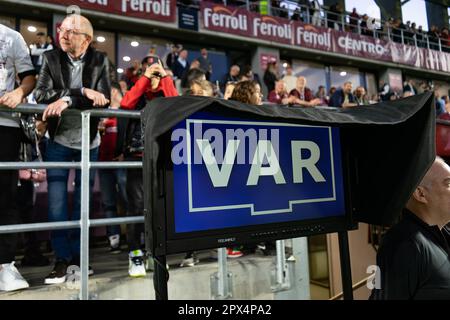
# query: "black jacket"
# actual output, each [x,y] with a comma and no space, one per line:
[54,83]
[414,260]
[178,69]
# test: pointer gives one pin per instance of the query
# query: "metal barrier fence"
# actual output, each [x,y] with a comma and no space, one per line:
[221,280]
[85,165]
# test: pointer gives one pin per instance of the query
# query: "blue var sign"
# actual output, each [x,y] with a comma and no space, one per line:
[235,173]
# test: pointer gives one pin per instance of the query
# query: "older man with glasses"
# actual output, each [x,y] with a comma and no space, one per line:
[74,76]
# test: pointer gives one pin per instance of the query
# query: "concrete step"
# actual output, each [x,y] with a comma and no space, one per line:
[251,279]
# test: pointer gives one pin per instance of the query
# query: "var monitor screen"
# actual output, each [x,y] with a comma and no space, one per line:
[235,179]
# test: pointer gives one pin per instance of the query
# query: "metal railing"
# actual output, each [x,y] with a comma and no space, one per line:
[85,165]
[355,287]
[343,21]
[223,277]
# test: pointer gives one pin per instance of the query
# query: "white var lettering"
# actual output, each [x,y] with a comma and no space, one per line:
[265,162]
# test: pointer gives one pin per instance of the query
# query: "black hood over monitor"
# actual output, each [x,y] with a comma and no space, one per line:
[391,144]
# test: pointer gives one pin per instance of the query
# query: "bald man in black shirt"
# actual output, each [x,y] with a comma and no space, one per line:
[414,257]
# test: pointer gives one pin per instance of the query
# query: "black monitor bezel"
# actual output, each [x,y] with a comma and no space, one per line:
[173,242]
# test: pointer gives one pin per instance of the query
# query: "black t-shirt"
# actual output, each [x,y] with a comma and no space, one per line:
[414,261]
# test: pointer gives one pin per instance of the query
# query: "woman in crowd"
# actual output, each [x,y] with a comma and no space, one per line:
[247,92]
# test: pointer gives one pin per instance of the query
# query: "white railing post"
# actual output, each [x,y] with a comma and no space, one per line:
[84,212]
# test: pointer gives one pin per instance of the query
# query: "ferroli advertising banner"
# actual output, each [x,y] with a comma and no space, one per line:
[271,28]
[160,10]
[226,19]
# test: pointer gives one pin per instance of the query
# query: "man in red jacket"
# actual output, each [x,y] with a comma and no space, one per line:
[153,83]
[302,95]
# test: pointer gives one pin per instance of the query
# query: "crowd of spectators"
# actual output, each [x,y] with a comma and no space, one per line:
[335,17]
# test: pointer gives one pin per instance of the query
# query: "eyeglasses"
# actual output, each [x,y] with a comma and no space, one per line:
[70,32]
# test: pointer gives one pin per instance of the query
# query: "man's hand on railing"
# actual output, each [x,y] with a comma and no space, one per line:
[41,128]
[98,99]
[55,109]
[12,99]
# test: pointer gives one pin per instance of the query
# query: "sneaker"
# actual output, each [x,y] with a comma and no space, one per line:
[136,266]
[114,243]
[234,253]
[76,262]
[11,279]
[189,262]
[59,273]
[261,246]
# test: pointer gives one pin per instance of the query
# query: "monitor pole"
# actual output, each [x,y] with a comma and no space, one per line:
[160,278]
[346,272]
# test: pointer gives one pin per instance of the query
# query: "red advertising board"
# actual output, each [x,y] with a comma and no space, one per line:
[271,28]
[225,19]
[361,46]
[309,36]
[241,22]
[160,10]
[265,58]
[238,21]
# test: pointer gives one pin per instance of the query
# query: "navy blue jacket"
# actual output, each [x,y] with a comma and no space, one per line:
[337,99]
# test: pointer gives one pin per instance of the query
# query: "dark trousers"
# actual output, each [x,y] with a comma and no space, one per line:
[25,194]
[135,195]
[9,151]
[65,243]
[113,186]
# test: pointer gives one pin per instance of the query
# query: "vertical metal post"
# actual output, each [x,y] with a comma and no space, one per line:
[160,278]
[301,276]
[280,276]
[281,262]
[84,213]
[298,267]
[308,16]
[247,5]
[389,33]
[346,270]
[403,38]
[222,280]
[440,44]
[343,22]
[223,272]
[428,43]
[415,40]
